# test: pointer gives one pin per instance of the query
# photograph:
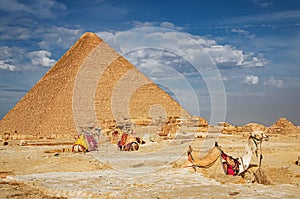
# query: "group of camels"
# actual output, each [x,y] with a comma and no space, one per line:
[231,166]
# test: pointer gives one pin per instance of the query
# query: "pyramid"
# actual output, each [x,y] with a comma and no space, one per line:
[283,126]
[90,83]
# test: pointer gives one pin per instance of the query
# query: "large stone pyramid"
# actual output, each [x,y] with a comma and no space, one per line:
[90,83]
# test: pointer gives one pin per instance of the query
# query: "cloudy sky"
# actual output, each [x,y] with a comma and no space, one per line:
[236,61]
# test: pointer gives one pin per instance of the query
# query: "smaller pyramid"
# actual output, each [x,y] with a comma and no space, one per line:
[90,83]
[283,126]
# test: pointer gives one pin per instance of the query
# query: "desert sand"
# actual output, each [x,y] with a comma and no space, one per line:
[53,171]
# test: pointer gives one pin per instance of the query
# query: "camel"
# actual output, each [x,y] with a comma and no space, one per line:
[231,166]
[129,142]
[86,142]
[78,148]
[258,137]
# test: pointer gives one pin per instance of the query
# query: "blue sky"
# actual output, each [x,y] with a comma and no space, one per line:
[253,45]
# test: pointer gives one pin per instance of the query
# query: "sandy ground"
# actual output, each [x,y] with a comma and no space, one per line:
[151,172]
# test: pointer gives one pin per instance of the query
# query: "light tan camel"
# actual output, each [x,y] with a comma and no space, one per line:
[238,165]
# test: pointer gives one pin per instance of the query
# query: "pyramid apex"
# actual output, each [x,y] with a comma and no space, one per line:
[90,36]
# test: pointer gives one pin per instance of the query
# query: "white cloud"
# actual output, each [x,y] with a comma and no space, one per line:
[170,26]
[153,61]
[58,36]
[203,41]
[12,6]
[43,9]
[225,54]
[11,58]
[17,59]
[230,56]
[164,24]
[263,4]
[47,8]
[240,31]
[49,37]
[15,33]
[104,35]
[189,47]
[274,82]
[251,79]
[41,58]
[139,24]
[6,66]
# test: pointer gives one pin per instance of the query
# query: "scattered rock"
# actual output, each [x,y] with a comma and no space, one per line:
[234,193]
[5,143]
[23,143]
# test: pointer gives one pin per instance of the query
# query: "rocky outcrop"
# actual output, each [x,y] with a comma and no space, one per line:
[231,129]
[251,127]
[175,124]
[227,128]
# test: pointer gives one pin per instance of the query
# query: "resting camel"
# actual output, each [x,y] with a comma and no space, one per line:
[78,148]
[129,142]
[231,166]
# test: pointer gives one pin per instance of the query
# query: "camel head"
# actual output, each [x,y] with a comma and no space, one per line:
[259,136]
